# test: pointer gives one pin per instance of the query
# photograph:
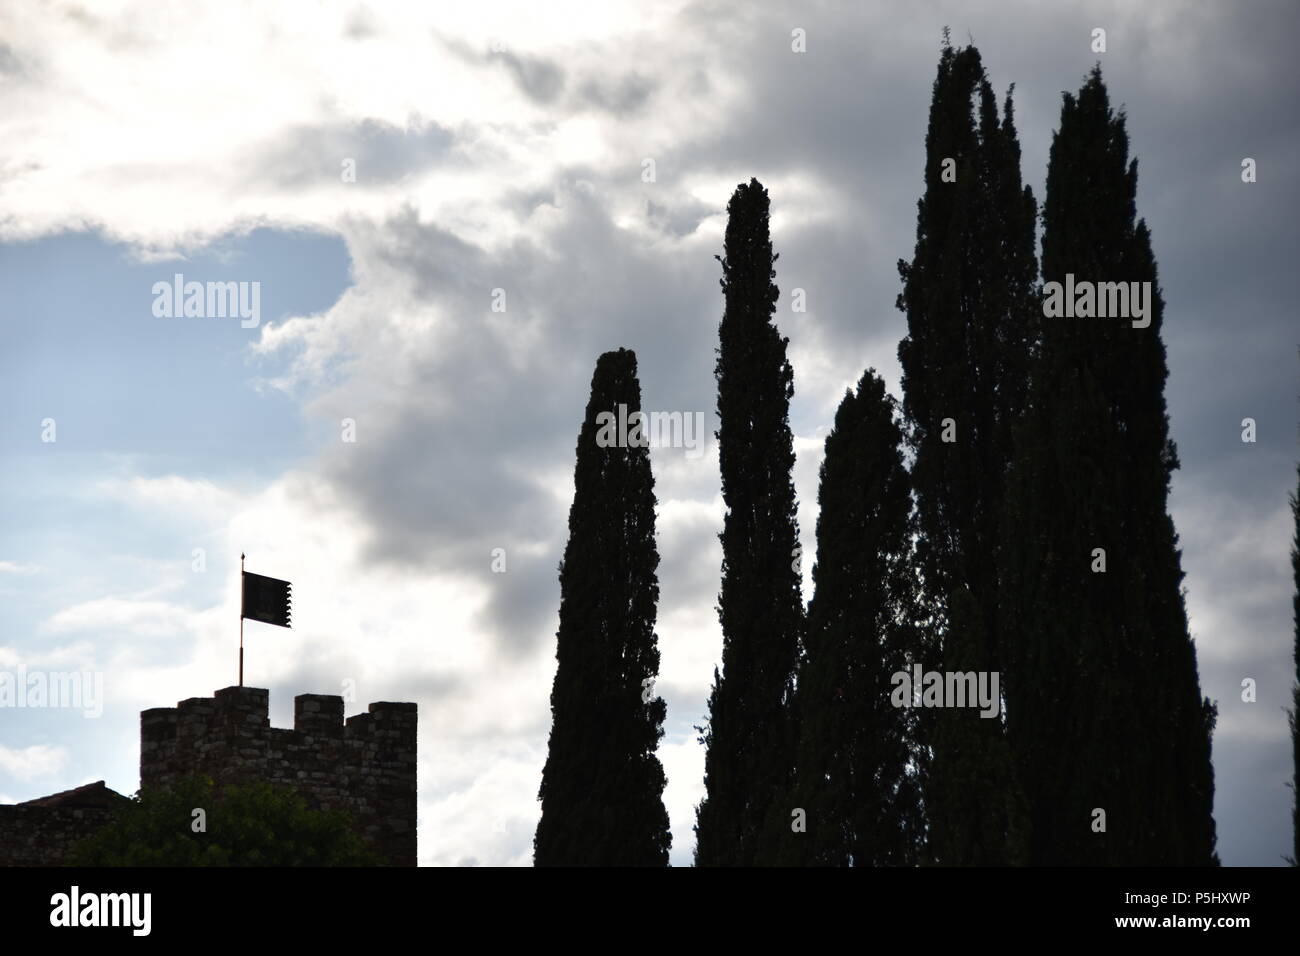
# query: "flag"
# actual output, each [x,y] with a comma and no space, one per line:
[266,599]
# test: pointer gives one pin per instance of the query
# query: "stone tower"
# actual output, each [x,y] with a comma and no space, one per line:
[365,766]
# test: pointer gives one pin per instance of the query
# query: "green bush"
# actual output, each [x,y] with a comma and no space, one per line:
[253,824]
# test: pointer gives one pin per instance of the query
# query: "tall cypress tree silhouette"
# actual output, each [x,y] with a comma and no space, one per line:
[751,731]
[602,786]
[1106,713]
[1295,690]
[854,784]
[971,303]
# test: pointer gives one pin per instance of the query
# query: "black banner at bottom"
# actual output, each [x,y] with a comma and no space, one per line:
[673,908]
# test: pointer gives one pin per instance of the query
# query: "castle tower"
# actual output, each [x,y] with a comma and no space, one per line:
[365,766]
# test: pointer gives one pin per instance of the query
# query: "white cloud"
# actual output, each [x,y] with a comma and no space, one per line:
[28,763]
[193,497]
[80,656]
[112,615]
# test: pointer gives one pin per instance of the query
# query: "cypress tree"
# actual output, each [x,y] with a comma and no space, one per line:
[602,786]
[971,302]
[854,781]
[1105,712]
[751,731]
[1295,690]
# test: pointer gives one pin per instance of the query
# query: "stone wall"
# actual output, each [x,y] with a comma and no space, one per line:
[366,765]
[41,832]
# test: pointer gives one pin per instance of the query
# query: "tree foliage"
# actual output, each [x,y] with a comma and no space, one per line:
[253,824]
[971,302]
[602,785]
[855,777]
[1105,711]
[751,731]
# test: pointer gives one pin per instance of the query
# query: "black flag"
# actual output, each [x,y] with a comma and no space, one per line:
[266,599]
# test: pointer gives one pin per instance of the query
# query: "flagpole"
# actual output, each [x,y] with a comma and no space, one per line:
[241,619]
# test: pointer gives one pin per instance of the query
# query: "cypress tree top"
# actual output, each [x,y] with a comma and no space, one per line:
[750,737]
[853,778]
[970,298]
[602,784]
[1106,712]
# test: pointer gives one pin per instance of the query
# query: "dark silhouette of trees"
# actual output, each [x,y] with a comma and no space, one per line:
[855,779]
[1104,709]
[1030,539]
[1295,690]
[971,302]
[751,730]
[602,786]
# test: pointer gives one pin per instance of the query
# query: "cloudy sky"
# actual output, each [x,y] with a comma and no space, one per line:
[501,146]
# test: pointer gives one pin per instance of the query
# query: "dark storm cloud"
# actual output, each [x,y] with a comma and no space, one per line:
[537,78]
[624,94]
[690,562]
[307,156]
[1250,782]
[525,597]
[678,220]
[442,483]
[543,80]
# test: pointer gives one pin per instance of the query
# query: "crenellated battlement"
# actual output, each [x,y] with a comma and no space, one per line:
[365,765]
